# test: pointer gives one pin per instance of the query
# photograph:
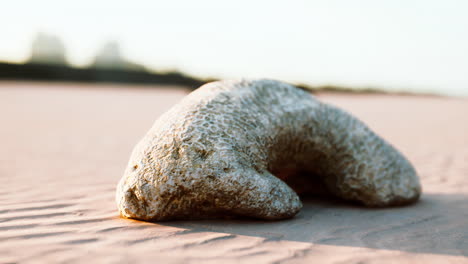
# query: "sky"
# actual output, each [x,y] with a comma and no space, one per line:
[417,45]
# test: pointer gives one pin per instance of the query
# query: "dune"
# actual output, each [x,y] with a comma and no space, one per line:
[63,148]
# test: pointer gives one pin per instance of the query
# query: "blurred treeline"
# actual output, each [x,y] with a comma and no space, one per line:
[47,62]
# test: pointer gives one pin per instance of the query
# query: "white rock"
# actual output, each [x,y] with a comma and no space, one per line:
[232,148]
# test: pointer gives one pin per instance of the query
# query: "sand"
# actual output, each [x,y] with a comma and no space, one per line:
[63,148]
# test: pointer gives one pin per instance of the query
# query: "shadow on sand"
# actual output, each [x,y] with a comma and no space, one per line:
[437,224]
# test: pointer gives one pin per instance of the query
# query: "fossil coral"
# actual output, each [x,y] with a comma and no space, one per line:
[244,148]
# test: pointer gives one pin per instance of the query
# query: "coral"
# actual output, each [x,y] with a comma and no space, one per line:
[244,148]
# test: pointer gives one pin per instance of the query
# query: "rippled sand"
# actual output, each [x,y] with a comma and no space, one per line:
[63,148]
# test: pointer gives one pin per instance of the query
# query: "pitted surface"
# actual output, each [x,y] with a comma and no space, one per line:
[242,148]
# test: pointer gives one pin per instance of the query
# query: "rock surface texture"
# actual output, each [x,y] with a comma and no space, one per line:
[248,148]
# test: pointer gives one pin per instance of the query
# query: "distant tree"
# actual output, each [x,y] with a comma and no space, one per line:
[110,57]
[47,49]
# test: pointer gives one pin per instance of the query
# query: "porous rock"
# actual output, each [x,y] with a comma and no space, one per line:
[247,148]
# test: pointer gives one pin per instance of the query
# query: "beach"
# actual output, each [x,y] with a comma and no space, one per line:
[64,147]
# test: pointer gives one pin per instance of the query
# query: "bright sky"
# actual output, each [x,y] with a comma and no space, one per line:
[417,45]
